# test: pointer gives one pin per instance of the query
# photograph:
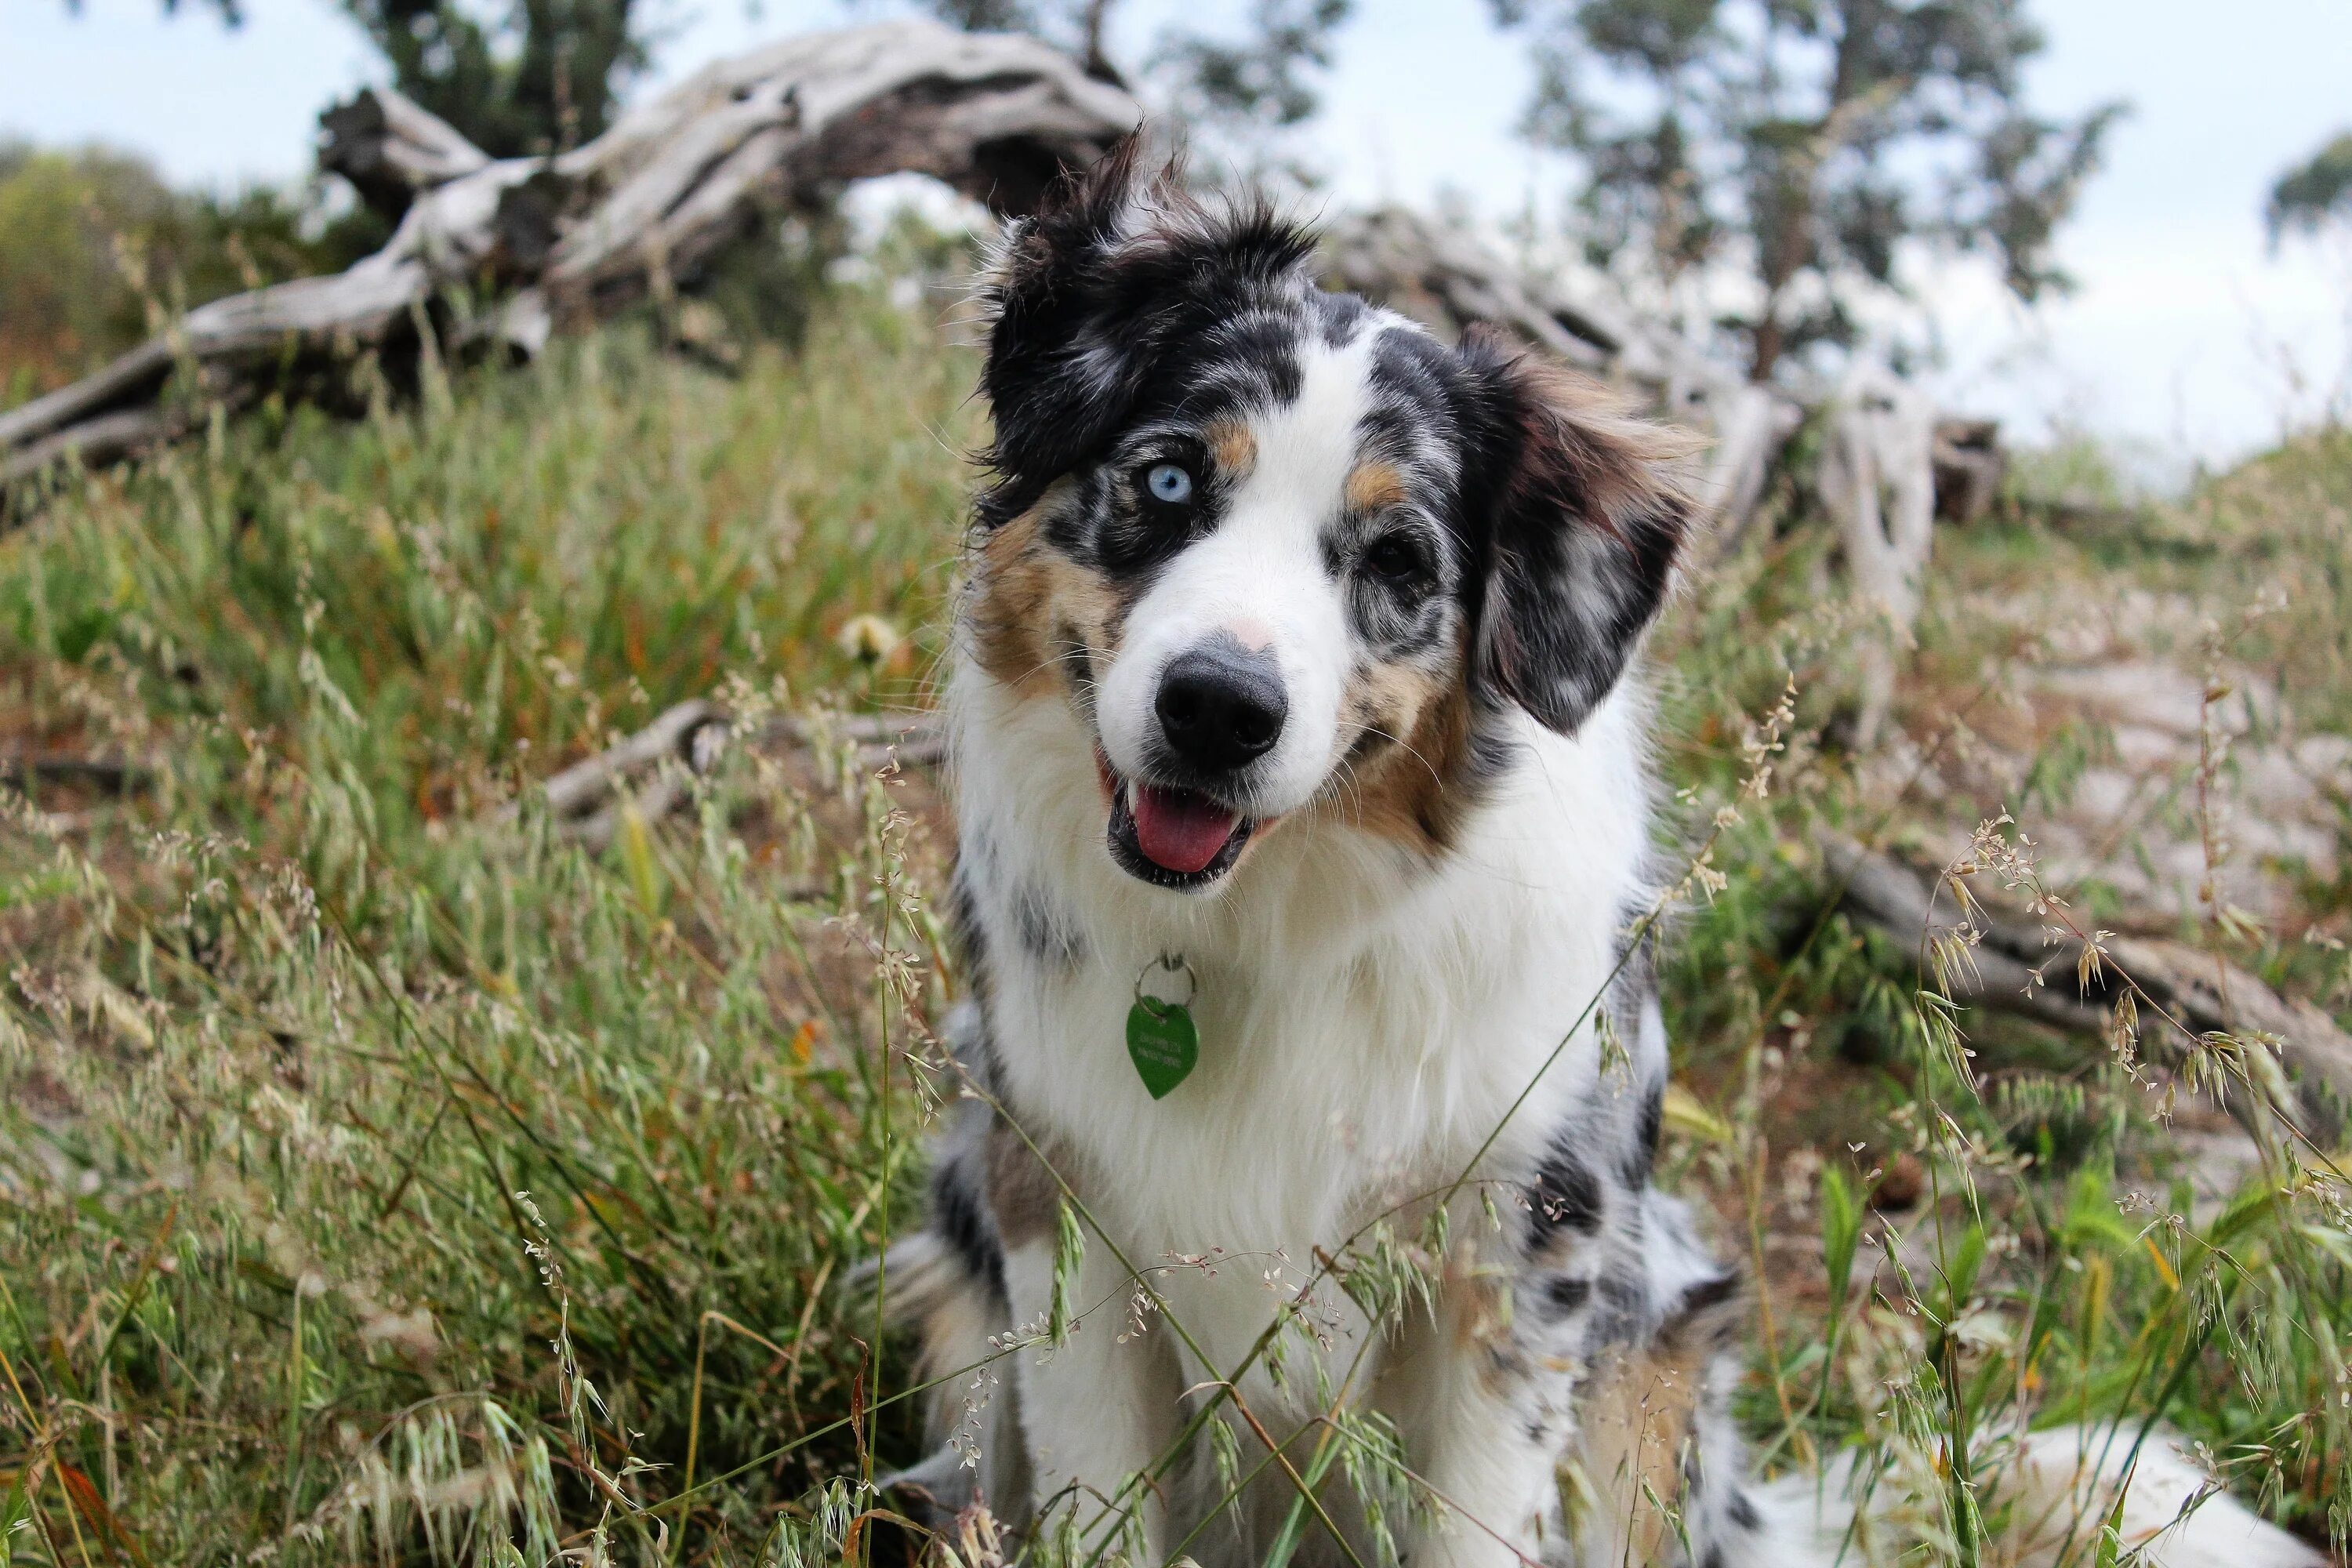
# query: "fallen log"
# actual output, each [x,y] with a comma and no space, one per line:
[2022,965]
[580,234]
[678,732]
[108,775]
[1445,278]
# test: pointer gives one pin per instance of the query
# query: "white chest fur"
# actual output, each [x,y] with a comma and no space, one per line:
[1367,1019]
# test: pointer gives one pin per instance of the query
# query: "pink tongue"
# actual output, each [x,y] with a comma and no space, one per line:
[1181,831]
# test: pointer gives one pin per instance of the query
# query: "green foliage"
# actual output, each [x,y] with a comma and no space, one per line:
[2313,194]
[66,302]
[1263,80]
[1841,1229]
[96,250]
[1803,143]
[541,75]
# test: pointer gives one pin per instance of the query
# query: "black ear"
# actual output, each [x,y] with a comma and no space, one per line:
[1586,515]
[1084,298]
[1058,377]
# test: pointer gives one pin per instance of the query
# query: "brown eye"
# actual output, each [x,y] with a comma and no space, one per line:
[1396,558]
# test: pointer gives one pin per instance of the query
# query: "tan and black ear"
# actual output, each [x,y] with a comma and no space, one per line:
[1084,296]
[1587,512]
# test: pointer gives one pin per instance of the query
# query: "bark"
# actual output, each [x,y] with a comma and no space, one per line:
[1749,424]
[576,235]
[2019,965]
[108,775]
[1448,279]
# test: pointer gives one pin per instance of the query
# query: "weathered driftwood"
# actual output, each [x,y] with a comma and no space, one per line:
[2019,965]
[996,116]
[585,799]
[1446,279]
[390,149]
[675,733]
[1877,479]
[1749,424]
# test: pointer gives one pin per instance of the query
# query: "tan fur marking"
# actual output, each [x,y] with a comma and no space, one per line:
[1023,1195]
[1638,1414]
[1025,593]
[1006,610]
[1477,1314]
[1374,484]
[1413,793]
[1235,449]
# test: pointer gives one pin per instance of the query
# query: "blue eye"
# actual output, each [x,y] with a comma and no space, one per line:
[1170,483]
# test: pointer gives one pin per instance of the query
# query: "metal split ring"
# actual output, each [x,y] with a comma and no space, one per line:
[1171,963]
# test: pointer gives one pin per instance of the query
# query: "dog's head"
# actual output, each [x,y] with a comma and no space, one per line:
[1281,552]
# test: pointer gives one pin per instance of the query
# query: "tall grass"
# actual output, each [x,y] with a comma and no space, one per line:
[384,1180]
[287,1039]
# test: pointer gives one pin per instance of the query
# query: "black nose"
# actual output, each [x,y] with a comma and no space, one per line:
[1221,708]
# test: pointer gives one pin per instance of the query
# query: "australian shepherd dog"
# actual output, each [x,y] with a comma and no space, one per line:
[1291,696]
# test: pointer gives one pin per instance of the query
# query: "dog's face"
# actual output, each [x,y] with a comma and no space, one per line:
[1283,553]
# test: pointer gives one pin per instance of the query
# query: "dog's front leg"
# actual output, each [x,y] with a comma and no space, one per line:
[1470,1400]
[1097,1412]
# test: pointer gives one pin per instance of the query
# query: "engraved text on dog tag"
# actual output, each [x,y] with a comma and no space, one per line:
[1162,1043]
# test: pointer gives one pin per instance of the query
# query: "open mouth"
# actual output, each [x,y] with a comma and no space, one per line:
[1171,837]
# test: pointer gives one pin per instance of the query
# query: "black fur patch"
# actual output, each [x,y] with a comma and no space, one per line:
[1565,1196]
[1581,537]
[1563,1294]
[964,926]
[959,1217]
[1643,1157]
[1046,934]
[1711,1292]
[1107,307]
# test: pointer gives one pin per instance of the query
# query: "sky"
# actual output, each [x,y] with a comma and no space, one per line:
[2187,340]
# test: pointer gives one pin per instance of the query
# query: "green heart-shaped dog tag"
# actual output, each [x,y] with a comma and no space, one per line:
[1162,1043]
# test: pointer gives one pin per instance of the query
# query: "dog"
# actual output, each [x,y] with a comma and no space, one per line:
[1293,686]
